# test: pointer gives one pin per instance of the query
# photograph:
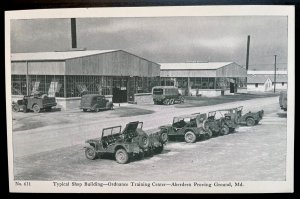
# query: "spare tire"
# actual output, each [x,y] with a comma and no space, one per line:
[163,137]
[144,141]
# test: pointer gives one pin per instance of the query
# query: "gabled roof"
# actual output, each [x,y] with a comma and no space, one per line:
[193,65]
[260,79]
[58,55]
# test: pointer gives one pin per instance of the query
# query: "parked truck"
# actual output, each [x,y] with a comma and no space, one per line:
[166,95]
[36,102]
[283,100]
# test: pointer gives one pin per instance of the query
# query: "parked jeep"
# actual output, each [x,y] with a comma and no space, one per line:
[190,127]
[222,122]
[130,143]
[36,102]
[95,102]
[166,95]
[250,118]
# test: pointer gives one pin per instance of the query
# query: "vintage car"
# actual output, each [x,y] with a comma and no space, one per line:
[95,102]
[166,95]
[283,100]
[36,102]
[130,143]
[250,118]
[222,122]
[189,127]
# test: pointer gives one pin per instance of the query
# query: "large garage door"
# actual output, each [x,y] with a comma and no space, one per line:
[119,95]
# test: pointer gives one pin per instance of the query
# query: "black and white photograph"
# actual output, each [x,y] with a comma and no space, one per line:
[194,99]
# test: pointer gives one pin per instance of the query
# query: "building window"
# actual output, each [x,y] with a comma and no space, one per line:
[256,85]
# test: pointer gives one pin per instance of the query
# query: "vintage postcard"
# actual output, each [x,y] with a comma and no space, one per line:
[151,99]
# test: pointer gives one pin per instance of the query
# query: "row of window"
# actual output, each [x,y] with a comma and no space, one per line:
[79,85]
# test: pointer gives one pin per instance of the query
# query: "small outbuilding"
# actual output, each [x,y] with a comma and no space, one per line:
[205,78]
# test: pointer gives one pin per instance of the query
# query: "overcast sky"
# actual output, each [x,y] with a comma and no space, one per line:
[163,39]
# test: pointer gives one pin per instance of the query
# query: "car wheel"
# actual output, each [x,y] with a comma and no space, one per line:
[250,121]
[90,153]
[190,137]
[224,130]
[121,156]
[159,149]
[36,108]
[15,108]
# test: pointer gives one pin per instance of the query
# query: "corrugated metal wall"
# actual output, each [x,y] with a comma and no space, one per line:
[39,67]
[231,70]
[117,63]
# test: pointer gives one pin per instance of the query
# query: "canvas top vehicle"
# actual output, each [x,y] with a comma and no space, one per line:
[125,144]
[249,118]
[166,95]
[190,127]
[95,102]
[37,102]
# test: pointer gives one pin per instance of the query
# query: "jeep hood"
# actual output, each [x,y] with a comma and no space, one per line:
[93,140]
[165,126]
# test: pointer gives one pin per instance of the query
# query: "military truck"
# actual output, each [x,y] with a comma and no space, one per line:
[166,95]
[131,142]
[283,100]
[36,102]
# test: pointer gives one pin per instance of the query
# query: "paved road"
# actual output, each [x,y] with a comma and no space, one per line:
[75,127]
[252,153]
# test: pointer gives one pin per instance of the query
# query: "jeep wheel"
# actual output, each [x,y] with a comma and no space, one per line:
[36,108]
[231,130]
[159,149]
[90,153]
[84,110]
[171,101]
[209,133]
[144,141]
[121,156]
[190,137]
[250,121]
[163,138]
[224,130]
[166,102]
[15,108]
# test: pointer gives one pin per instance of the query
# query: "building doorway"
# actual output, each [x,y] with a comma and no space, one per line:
[231,87]
[119,95]
[130,89]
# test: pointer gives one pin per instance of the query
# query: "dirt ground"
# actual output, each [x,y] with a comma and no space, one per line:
[55,152]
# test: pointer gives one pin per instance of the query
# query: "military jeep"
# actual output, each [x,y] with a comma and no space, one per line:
[222,122]
[189,127]
[125,145]
[36,102]
[250,118]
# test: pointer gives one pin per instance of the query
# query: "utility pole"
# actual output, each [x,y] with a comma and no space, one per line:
[27,79]
[275,74]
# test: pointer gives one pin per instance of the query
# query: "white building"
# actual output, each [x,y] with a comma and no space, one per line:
[263,81]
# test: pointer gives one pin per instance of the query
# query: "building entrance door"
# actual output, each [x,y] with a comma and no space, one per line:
[130,89]
[231,87]
[119,95]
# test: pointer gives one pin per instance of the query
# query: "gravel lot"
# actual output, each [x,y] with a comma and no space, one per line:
[52,150]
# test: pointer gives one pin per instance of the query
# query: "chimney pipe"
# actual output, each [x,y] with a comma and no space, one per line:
[73,33]
[248,48]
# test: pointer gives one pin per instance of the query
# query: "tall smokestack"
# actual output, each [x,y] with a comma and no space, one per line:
[73,33]
[248,48]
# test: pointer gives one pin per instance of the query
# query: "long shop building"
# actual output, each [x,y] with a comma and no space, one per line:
[117,74]
[206,79]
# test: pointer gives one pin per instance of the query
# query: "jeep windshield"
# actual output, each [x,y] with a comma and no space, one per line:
[158,91]
[111,131]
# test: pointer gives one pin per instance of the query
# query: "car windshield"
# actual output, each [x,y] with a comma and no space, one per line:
[158,91]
